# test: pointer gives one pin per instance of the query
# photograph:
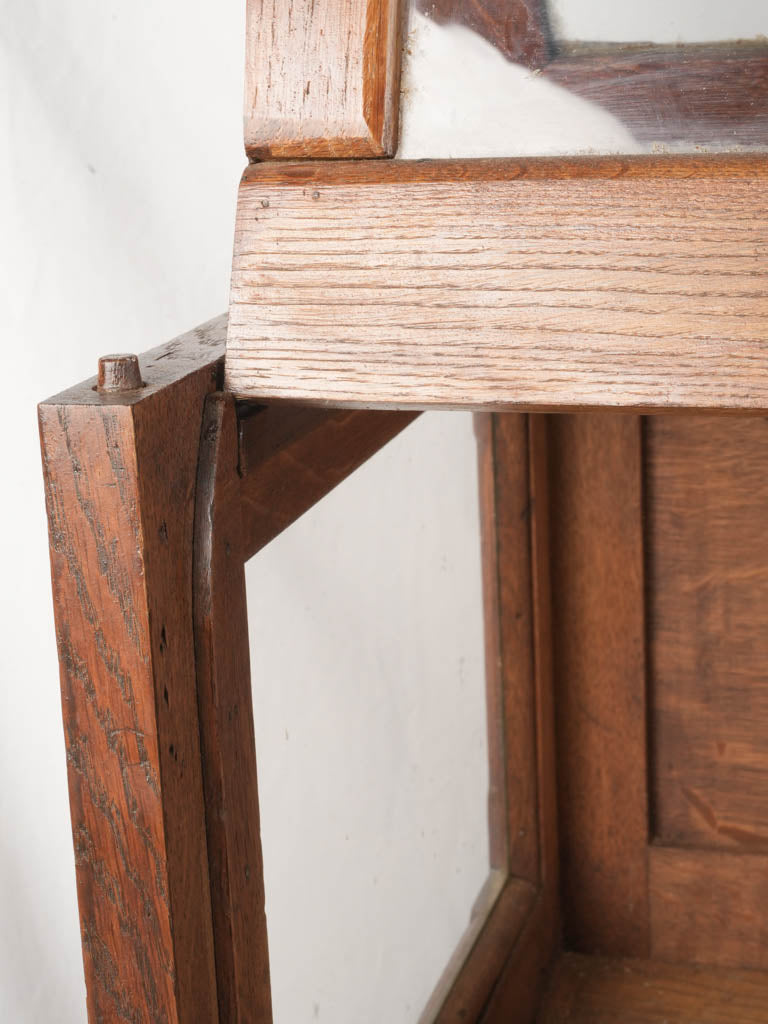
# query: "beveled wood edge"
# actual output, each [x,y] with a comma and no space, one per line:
[488,169]
[225,714]
[373,131]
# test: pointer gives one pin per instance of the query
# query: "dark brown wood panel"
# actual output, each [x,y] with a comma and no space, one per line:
[291,457]
[597,990]
[120,474]
[708,906]
[707,551]
[710,95]
[539,284]
[598,621]
[226,725]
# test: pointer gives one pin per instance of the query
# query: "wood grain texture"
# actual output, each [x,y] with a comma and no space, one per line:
[226,726]
[516,993]
[707,537]
[636,283]
[709,95]
[518,990]
[515,921]
[597,990]
[290,458]
[599,657]
[504,461]
[708,906]
[120,477]
[322,79]
[498,918]
[517,28]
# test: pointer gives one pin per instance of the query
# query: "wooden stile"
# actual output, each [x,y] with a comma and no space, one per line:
[120,479]
[322,79]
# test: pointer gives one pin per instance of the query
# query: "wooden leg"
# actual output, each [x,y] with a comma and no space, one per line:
[120,470]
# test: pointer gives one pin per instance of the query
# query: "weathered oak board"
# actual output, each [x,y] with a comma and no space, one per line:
[638,283]
[707,538]
[321,79]
[120,477]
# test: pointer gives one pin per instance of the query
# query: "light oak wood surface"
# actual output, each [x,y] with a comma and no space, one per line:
[637,283]
[322,79]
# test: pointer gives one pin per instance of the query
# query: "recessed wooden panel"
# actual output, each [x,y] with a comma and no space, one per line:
[707,543]
[503,284]
[321,79]
[708,906]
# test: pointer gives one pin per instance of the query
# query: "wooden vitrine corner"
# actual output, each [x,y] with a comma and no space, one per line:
[159,488]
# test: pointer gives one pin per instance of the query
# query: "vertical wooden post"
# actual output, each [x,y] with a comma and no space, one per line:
[120,469]
[226,725]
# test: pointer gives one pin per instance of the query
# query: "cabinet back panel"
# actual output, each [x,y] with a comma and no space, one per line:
[706,502]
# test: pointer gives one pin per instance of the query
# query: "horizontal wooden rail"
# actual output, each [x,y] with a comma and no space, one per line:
[636,283]
[290,458]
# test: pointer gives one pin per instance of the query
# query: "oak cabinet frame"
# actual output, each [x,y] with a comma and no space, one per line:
[157,494]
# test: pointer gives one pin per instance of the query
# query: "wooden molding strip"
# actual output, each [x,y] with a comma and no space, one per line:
[635,283]
[596,511]
[517,28]
[322,79]
[705,95]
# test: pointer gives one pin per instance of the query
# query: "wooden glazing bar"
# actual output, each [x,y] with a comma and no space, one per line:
[226,726]
[600,684]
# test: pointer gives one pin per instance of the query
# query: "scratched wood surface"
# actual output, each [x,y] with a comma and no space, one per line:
[690,95]
[322,79]
[707,533]
[590,283]
[119,475]
[599,990]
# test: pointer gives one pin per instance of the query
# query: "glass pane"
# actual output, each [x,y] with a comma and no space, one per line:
[367,652]
[549,77]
